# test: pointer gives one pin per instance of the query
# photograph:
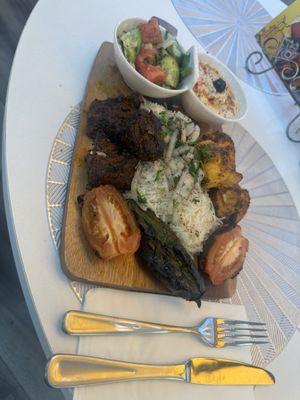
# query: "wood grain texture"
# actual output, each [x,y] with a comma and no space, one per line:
[79,262]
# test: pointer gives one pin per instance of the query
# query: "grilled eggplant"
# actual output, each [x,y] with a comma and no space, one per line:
[166,257]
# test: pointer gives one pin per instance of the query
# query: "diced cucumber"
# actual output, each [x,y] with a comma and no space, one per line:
[132,41]
[170,65]
[185,68]
[185,60]
[175,51]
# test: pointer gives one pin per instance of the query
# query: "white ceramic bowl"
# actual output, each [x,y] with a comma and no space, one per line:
[197,110]
[136,81]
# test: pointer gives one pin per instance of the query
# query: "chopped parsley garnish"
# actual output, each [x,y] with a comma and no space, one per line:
[179,143]
[175,203]
[141,199]
[164,118]
[157,176]
[183,124]
[194,169]
[195,200]
[165,131]
[203,153]
[176,180]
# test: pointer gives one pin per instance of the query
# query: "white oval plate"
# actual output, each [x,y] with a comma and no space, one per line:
[269,285]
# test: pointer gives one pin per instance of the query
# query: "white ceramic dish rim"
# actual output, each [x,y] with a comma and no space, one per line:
[172,92]
[222,67]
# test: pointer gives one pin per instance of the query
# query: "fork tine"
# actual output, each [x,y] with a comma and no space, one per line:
[237,336]
[235,329]
[244,343]
[237,322]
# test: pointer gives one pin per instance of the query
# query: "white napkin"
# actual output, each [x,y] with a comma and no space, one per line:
[160,348]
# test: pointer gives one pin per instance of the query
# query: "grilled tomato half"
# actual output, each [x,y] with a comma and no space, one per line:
[225,255]
[108,224]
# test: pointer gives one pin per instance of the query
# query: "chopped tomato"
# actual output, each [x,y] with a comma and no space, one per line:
[150,32]
[138,62]
[145,56]
[226,255]
[108,223]
[151,72]
[148,54]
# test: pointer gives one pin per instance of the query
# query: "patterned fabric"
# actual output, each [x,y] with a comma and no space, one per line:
[226,29]
[269,285]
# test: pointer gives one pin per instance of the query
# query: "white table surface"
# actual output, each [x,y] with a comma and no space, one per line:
[48,77]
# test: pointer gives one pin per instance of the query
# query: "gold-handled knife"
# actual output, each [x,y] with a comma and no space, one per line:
[66,370]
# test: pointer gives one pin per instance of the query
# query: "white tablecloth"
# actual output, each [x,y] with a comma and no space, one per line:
[49,73]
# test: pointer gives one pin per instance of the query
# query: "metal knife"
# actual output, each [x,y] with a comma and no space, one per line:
[66,370]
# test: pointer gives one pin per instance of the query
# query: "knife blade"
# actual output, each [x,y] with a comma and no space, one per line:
[217,371]
[66,370]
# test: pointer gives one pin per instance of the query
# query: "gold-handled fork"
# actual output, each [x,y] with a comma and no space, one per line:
[215,332]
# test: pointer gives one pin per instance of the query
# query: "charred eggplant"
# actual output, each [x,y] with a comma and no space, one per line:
[166,257]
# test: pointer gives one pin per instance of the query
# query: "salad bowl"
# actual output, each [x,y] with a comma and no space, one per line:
[139,83]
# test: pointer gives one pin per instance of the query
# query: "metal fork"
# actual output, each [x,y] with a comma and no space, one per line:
[215,332]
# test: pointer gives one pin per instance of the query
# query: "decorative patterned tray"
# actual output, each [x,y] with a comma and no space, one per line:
[269,285]
[227,30]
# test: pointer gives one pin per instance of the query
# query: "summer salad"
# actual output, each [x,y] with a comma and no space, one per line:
[156,54]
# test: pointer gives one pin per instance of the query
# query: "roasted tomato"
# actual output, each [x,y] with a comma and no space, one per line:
[225,255]
[108,223]
[151,72]
[150,32]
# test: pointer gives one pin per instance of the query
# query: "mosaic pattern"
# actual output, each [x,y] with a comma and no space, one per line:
[226,29]
[269,285]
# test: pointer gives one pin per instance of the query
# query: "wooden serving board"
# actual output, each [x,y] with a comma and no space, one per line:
[78,261]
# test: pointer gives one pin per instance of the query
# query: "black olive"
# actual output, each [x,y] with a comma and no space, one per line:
[220,85]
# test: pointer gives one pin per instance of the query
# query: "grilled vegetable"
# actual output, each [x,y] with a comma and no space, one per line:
[166,257]
[230,204]
[108,223]
[225,255]
[170,66]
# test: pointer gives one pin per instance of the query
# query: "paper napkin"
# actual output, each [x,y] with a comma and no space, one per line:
[159,348]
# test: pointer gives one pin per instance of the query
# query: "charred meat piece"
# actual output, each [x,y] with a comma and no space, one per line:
[224,255]
[225,143]
[110,115]
[106,166]
[217,168]
[142,137]
[219,164]
[165,256]
[221,139]
[230,203]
